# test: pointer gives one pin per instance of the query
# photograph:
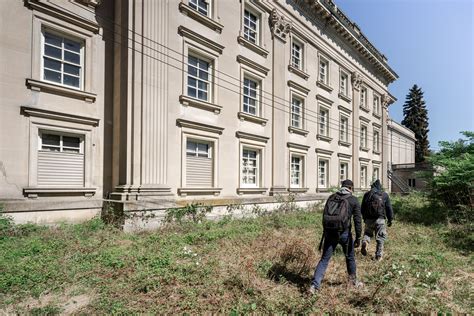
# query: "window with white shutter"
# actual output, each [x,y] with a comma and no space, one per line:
[199,164]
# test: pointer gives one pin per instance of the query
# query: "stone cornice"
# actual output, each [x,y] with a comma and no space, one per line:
[298,87]
[199,126]
[187,10]
[185,32]
[38,85]
[364,159]
[347,156]
[250,136]
[319,97]
[35,112]
[324,151]
[297,146]
[250,63]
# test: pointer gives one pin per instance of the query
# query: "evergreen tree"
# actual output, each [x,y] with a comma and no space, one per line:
[416,119]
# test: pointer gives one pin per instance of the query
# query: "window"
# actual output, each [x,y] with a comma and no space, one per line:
[201,6]
[344,84]
[60,159]
[323,173]
[199,84]
[250,167]
[363,176]
[251,97]
[296,172]
[363,136]
[376,105]
[323,70]
[62,60]
[376,174]
[343,171]
[251,22]
[199,163]
[344,129]
[297,55]
[376,141]
[323,122]
[412,183]
[363,97]
[297,113]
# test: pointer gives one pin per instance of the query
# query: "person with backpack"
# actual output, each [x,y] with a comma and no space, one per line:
[376,207]
[339,210]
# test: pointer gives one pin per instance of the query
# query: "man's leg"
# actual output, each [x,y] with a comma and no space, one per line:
[380,237]
[328,249]
[347,244]
[368,232]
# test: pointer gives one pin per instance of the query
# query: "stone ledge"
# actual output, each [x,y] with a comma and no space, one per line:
[257,49]
[298,190]
[344,97]
[298,72]
[324,138]
[199,191]
[324,86]
[241,191]
[38,85]
[35,192]
[204,105]
[299,131]
[210,23]
[252,118]
[345,144]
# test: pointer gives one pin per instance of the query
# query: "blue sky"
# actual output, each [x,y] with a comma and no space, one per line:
[430,43]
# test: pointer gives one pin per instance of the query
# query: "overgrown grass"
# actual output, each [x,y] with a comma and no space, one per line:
[261,265]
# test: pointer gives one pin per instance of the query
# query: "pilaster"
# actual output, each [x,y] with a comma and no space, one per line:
[355,130]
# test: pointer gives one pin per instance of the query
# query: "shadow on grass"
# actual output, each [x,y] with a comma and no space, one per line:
[279,273]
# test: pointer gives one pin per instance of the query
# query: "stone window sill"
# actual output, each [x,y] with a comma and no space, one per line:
[199,191]
[188,101]
[324,138]
[241,191]
[376,115]
[38,191]
[298,190]
[364,108]
[345,144]
[254,47]
[364,149]
[324,86]
[252,118]
[210,23]
[322,190]
[376,152]
[38,85]
[298,72]
[344,97]
[299,131]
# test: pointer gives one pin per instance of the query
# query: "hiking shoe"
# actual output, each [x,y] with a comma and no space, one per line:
[358,284]
[378,258]
[313,290]
[363,249]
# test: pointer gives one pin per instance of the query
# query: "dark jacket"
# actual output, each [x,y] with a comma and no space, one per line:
[377,187]
[354,211]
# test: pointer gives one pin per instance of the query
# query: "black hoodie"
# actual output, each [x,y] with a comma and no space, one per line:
[377,187]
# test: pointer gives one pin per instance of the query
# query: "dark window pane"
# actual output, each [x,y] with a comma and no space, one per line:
[202,85]
[202,95]
[191,92]
[52,39]
[71,45]
[192,82]
[52,76]
[73,70]
[49,139]
[52,64]
[52,51]
[71,81]
[71,141]
[72,57]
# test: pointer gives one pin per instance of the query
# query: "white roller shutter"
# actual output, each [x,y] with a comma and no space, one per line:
[60,169]
[199,172]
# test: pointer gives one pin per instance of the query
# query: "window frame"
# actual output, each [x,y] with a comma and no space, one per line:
[346,126]
[327,110]
[297,42]
[376,108]
[43,131]
[346,176]
[258,106]
[363,103]
[302,176]
[345,91]
[82,55]
[258,173]
[376,167]
[363,185]
[364,140]
[325,61]
[326,175]
[210,82]
[301,115]
[209,7]
[376,140]
[258,23]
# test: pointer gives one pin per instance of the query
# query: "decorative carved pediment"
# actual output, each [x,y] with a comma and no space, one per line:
[386,100]
[279,26]
[356,80]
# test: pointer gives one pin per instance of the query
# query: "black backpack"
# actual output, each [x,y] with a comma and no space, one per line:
[375,203]
[336,213]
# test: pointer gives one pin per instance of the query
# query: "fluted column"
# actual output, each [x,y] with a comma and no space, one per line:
[355,130]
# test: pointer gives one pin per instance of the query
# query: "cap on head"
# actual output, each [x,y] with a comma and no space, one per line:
[348,183]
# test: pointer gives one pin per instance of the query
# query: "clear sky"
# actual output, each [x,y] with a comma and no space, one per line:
[430,43]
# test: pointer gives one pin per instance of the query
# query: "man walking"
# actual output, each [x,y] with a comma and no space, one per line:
[376,207]
[338,212]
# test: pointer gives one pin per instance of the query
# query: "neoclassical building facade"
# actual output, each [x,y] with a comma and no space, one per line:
[156,103]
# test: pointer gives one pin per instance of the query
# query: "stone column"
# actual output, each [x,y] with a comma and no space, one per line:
[140,100]
[355,130]
[280,29]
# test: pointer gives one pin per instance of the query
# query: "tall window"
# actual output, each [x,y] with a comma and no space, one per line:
[323,122]
[251,27]
[198,78]
[323,71]
[376,104]
[344,84]
[376,174]
[363,176]
[363,136]
[363,97]
[323,173]
[62,60]
[296,55]
[297,113]
[376,141]
[60,160]
[200,5]
[344,129]
[250,167]
[251,97]
[296,172]
[199,163]
[343,171]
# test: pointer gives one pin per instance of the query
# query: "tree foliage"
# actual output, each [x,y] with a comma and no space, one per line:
[416,119]
[453,180]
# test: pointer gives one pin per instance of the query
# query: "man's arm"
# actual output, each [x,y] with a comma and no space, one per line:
[357,218]
[364,204]
[388,208]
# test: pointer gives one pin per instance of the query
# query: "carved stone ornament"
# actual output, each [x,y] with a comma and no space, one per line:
[386,100]
[279,26]
[356,80]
